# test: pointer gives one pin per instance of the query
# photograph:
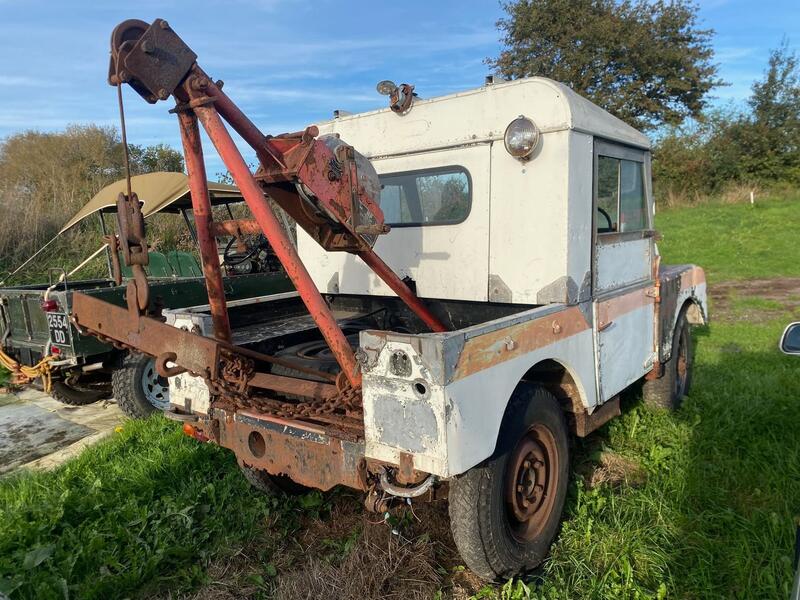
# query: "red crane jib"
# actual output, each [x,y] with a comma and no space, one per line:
[321,182]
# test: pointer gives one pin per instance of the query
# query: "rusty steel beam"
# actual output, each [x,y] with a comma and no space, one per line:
[266,153]
[196,353]
[281,244]
[201,207]
[291,385]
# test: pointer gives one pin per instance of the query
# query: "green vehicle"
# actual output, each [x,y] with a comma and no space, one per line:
[35,323]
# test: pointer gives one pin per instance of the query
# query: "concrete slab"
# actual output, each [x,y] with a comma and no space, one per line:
[37,431]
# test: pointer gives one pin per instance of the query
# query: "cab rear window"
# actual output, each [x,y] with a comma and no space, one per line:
[431,197]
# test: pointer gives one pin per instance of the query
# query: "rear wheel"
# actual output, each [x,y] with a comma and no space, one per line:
[74,392]
[139,389]
[669,390]
[505,512]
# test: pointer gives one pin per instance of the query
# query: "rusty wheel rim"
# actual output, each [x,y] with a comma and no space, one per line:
[531,483]
[682,365]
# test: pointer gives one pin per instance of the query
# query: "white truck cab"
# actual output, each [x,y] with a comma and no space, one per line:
[564,231]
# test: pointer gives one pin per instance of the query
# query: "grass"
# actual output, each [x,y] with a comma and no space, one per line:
[734,241]
[5,376]
[145,510]
[709,513]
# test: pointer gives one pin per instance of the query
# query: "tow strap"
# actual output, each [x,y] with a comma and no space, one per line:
[23,374]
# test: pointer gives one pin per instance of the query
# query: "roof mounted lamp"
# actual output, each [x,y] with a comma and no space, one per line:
[521,138]
[400,97]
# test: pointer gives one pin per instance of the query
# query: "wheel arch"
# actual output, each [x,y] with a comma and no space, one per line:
[559,378]
[696,314]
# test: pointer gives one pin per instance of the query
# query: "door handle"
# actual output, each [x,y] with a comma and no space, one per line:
[604,326]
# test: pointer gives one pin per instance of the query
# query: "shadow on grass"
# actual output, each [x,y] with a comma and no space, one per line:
[741,485]
[714,516]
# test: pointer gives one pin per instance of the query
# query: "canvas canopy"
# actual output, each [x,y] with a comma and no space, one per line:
[157,191]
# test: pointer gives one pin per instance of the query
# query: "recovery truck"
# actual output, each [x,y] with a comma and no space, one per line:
[475,284]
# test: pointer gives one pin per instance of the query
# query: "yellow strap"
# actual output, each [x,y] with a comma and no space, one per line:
[23,374]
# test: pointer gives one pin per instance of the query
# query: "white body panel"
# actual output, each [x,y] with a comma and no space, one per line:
[625,350]
[620,264]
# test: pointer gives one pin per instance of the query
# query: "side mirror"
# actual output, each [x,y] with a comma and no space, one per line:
[790,340]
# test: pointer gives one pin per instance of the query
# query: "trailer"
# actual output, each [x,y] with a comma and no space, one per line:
[477,280]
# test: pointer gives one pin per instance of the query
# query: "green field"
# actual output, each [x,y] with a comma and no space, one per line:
[698,504]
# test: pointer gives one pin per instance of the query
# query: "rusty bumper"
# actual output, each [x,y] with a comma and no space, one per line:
[308,455]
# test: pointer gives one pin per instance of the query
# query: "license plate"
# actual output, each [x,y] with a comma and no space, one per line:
[59,328]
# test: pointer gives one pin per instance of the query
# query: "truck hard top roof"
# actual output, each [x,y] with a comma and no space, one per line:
[480,115]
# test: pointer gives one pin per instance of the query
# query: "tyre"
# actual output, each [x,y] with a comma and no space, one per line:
[668,391]
[505,512]
[271,484]
[139,389]
[70,391]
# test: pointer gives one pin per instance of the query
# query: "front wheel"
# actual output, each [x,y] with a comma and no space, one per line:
[139,389]
[505,512]
[668,391]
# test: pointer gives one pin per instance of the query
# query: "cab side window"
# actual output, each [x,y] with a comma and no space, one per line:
[621,199]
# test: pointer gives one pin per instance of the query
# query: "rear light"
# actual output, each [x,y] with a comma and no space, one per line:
[55,350]
[192,431]
[49,305]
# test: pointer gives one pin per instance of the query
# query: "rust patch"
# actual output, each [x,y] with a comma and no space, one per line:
[309,455]
[692,277]
[611,309]
[493,348]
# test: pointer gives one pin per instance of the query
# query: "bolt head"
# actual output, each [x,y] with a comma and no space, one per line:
[163,94]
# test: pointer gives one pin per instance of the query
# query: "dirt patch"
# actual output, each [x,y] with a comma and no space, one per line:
[348,554]
[756,300]
[614,469]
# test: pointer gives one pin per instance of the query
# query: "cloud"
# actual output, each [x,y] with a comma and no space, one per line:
[23,81]
[733,53]
[351,52]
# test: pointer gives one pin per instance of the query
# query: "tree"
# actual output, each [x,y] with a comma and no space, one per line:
[645,61]
[774,143]
[150,159]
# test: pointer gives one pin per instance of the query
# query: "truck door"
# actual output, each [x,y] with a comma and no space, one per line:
[623,256]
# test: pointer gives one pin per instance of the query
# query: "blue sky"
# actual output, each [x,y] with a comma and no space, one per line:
[290,63]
